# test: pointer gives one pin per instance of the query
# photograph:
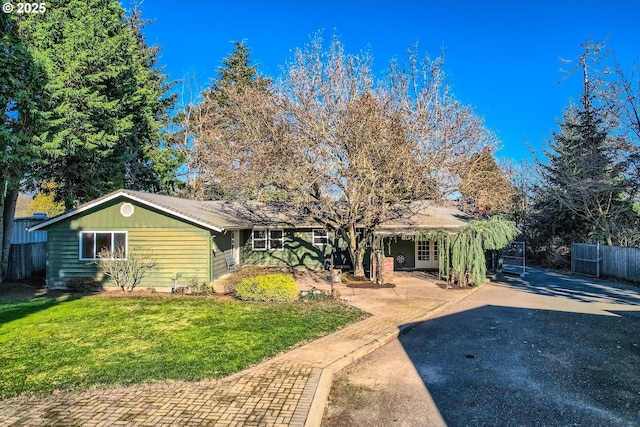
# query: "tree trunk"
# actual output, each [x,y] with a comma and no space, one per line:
[6,228]
[358,263]
[356,249]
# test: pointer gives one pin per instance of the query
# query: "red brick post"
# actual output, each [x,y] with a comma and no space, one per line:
[388,268]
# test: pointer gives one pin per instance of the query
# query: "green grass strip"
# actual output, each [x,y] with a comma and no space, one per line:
[68,343]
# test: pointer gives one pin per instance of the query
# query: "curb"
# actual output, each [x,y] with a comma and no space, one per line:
[321,395]
[316,412]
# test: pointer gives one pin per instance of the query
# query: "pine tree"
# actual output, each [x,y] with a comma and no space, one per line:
[106,100]
[235,75]
[584,196]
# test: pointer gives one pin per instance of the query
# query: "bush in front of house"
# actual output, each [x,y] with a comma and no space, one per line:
[270,287]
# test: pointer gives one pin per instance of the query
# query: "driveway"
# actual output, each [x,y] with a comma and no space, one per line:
[549,349]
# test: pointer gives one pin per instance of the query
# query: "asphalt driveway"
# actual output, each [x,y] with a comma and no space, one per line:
[548,350]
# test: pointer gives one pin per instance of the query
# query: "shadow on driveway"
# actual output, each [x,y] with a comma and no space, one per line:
[584,289]
[499,365]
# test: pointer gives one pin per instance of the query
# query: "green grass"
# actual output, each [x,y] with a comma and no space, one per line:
[72,343]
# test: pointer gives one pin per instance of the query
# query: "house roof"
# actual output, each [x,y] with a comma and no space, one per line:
[233,215]
[418,215]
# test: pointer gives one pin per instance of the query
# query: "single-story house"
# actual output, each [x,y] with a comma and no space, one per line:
[196,240]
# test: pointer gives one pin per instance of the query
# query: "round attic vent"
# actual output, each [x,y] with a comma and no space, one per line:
[126,210]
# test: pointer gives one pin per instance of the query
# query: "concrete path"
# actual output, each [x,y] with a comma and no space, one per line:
[288,390]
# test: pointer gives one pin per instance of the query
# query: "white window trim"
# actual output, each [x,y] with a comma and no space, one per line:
[267,239]
[112,232]
[281,239]
[325,236]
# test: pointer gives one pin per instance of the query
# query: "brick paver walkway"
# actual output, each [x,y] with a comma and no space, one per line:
[278,392]
[267,395]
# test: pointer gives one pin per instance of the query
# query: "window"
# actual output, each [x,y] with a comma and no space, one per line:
[259,241]
[92,242]
[435,250]
[262,240]
[276,239]
[423,250]
[320,237]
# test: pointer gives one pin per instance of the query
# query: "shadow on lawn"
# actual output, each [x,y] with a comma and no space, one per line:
[22,298]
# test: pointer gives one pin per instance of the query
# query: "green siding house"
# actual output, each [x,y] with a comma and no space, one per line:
[195,240]
[189,240]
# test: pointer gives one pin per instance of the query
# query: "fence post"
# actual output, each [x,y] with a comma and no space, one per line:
[524,259]
[597,260]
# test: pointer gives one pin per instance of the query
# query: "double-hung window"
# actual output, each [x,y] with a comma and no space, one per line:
[320,237]
[92,243]
[263,240]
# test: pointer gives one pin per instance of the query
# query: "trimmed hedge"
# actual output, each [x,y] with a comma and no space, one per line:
[270,287]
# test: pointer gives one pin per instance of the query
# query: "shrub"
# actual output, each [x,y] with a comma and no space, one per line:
[315,294]
[193,287]
[270,287]
[124,269]
[82,284]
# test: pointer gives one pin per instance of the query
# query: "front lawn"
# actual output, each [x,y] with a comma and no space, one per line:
[70,343]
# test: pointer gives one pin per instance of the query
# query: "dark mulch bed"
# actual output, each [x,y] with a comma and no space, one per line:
[370,285]
[362,282]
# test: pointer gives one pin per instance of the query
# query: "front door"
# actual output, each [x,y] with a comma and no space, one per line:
[426,254]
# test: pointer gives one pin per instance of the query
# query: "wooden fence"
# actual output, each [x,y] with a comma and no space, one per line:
[28,249]
[26,258]
[606,261]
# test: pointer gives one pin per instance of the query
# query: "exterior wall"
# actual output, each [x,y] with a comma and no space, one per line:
[221,250]
[182,251]
[406,248]
[299,251]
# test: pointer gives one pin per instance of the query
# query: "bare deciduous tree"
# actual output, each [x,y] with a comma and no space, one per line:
[340,144]
[125,270]
[486,186]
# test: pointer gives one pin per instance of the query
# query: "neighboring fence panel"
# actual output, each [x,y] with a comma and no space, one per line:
[613,261]
[26,258]
[28,249]
[585,259]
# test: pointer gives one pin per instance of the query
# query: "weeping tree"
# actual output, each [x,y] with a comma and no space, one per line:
[461,255]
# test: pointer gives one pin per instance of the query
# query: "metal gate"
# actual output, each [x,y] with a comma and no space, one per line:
[585,259]
[514,259]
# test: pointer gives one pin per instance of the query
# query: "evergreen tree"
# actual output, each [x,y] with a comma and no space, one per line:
[22,120]
[237,72]
[107,100]
[152,160]
[235,75]
[584,194]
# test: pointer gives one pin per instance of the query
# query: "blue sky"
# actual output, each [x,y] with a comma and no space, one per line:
[501,56]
